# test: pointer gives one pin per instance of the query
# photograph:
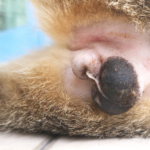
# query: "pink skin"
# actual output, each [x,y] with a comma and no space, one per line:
[91,46]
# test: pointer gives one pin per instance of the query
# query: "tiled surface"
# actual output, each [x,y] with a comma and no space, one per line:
[16,141]
[99,144]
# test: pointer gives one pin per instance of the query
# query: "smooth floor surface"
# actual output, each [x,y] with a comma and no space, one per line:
[18,141]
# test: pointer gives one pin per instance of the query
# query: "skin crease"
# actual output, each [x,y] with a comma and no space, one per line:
[106,42]
[46,91]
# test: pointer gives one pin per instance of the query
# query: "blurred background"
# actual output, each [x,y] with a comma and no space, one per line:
[19,31]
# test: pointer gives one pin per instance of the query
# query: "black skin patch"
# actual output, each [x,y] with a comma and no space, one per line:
[120,87]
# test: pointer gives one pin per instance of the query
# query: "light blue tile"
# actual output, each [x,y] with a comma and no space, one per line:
[20,40]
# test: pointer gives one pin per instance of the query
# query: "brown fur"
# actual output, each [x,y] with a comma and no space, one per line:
[32,98]
[51,12]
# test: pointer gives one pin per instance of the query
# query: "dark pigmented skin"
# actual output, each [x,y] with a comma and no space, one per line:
[120,87]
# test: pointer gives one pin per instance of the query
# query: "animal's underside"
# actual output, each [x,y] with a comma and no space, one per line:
[93,81]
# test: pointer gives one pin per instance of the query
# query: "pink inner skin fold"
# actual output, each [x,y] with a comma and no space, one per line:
[104,32]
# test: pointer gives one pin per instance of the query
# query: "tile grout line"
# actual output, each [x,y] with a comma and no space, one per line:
[46,144]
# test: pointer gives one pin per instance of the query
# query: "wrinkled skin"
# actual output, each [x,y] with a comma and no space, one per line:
[94,81]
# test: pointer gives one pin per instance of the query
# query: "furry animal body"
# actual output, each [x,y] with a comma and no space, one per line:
[61,89]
